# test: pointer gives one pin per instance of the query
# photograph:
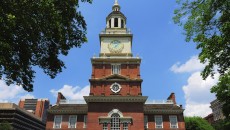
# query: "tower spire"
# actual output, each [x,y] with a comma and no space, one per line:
[116,2]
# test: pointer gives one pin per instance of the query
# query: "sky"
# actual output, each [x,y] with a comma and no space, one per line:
[169,64]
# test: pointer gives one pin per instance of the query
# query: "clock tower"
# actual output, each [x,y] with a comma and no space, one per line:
[115,84]
[115,101]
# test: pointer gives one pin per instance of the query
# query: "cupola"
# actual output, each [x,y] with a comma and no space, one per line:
[116,19]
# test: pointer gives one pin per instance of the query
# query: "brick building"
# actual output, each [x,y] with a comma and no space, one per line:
[115,101]
[36,106]
[19,118]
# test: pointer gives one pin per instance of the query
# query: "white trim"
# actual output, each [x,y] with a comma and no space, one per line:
[55,121]
[115,91]
[160,117]
[173,126]
[115,111]
[146,122]
[75,126]
[85,121]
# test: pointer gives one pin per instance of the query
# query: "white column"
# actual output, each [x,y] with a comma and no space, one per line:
[119,22]
[112,22]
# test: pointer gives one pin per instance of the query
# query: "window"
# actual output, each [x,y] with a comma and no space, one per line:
[158,122]
[115,22]
[85,121]
[115,122]
[57,121]
[116,69]
[125,126]
[122,23]
[146,122]
[72,121]
[110,23]
[173,122]
[105,126]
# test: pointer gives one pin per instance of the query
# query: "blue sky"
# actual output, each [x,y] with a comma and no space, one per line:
[169,64]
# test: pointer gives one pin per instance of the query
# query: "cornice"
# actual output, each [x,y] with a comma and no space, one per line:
[141,99]
[73,111]
[163,111]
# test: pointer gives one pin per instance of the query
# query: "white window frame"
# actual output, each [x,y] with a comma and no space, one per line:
[105,126]
[85,121]
[170,120]
[125,126]
[75,123]
[54,123]
[116,68]
[115,122]
[146,121]
[161,119]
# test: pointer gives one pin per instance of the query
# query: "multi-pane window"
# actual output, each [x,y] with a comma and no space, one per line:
[72,121]
[115,122]
[173,122]
[57,121]
[125,126]
[116,68]
[105,126]
[85,121]
[146,122]
[158,121]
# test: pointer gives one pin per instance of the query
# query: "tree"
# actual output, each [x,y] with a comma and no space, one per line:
[36,33]
[207,23]
[221,124]
[197,123]
[5,126]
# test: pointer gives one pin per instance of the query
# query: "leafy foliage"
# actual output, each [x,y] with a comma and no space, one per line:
[35,33]
[197,123]
[222,124]
[207,22]
[5,126]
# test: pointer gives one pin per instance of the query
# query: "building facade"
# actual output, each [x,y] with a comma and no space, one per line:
[115,101]
[36,106]
[216,107]
[19,118]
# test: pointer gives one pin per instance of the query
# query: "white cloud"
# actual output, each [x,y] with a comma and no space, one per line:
[12,93]
[72,93]
[192,65]
[198,96]
[197,91]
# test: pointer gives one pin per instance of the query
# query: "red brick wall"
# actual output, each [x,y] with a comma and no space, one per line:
[166,122]
[134,110]
[65,121]
[129,70]
[103,88]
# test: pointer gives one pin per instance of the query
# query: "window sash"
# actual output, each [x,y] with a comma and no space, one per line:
[116,69]
[72,121]
[173,121]
[158,121]
[105,126]
[57,121]
[125,126]
[85,120]
[146,121]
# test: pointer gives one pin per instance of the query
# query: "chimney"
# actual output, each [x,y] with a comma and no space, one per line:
[59,97]
[172,97]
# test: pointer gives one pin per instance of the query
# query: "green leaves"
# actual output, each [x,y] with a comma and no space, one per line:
[197,123]
[207,22]
[35,33]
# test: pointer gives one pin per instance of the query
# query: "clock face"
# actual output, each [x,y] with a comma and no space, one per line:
[115,46]
[115,87]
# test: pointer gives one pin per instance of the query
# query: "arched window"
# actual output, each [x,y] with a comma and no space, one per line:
[115,22]
[115,122]
[122,23]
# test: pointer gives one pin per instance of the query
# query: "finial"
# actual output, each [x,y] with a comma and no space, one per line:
[116,2]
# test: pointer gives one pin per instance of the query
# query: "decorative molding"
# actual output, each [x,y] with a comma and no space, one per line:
[141,99]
